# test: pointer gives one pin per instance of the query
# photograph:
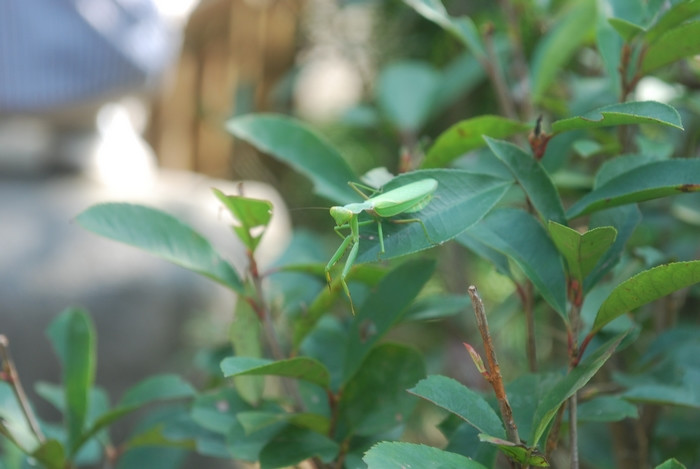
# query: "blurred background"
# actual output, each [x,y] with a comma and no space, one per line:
[126,100]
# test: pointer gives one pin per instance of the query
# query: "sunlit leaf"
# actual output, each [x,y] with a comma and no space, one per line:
[304,368]
[404,455]
[466,136]
[646,287]
[640,112]
[581,251]
[682,41]
[460,400]
[647,182]
[161,235]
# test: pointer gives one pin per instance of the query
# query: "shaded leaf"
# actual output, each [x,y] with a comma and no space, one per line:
[294,445]
[568,385]
[624,219]
[648,182]
[163,236]
[466,136]
[397,455]
[153,389]
[532,177]
[460,400]
[682,41]
[519,236]
[582,251]
[436,307]
[303,368]
[374,399]
[606,409]
[640,112]
[72,335]
[293,143]
[157,388]
[384,307]
[646,287]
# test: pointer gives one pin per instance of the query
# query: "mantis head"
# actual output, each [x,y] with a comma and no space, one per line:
[341,215]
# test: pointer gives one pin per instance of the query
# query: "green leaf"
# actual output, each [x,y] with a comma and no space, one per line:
[646,287]
[153,389]
[647,182]
[436,307]
[303,368]
[682,41]
[557,47]
[51,455]
[533,179]
[383,308]
[460,400]
[466,136]
[253,421]
[163,236]
[252,215]
[375,400]
[670,464]
[463,28]
[620,165]
[677,14]
[395,455]
[682,395]
[157,388]
[406,93]
[294,445]
[72,335]
[218,409]
[568,385]
[606,409]
[624,219]
[295,144]
[517,452]
[626,29]
[245,334]
[519,236]
[461,199]
[582,251]
[247,446]
[639,112]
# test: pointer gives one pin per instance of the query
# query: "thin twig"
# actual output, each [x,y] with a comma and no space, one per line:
[494,373]
[11,376]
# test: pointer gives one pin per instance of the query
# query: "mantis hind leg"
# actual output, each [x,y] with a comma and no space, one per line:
[416,220]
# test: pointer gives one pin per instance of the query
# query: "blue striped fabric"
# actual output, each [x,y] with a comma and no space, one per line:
[55,53]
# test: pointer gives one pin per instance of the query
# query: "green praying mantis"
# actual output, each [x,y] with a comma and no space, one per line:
[405,199]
